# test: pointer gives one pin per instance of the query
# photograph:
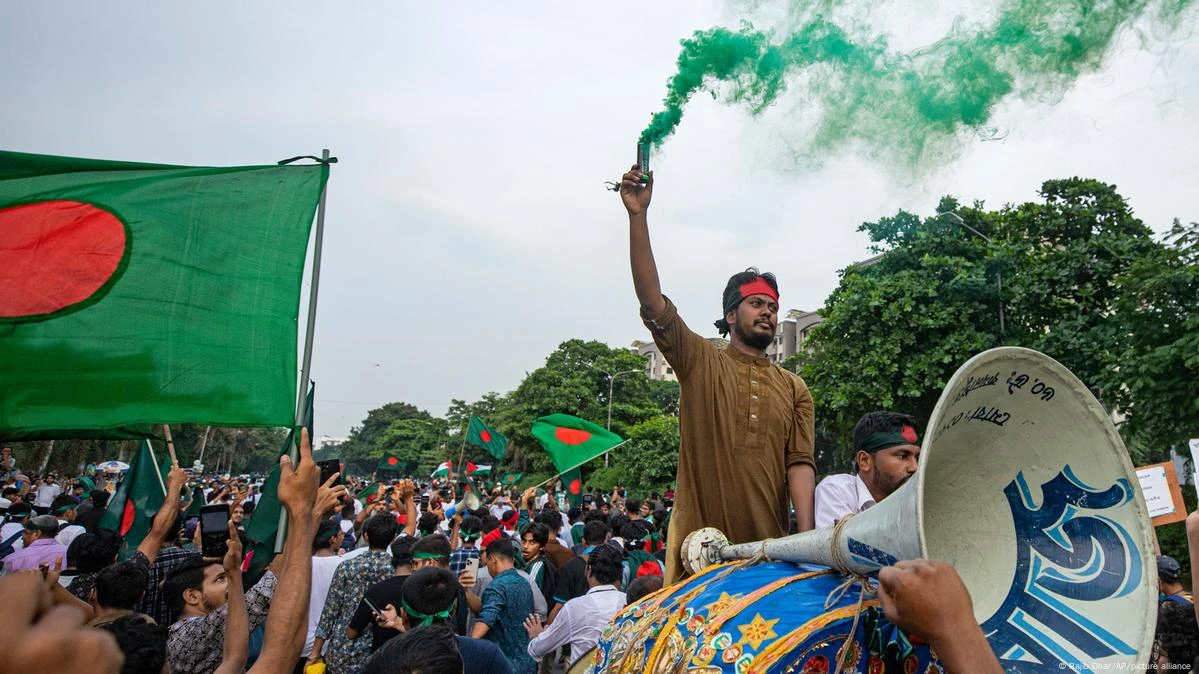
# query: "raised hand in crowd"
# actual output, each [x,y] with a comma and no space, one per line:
[237,624]
[286,624]
[164,520]
[930,600]
[36,635]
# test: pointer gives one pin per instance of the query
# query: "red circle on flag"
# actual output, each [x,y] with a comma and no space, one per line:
[391,461]
[571,436]
[909,434]
[575,487]
[485,436]
[127,516]
[56,254]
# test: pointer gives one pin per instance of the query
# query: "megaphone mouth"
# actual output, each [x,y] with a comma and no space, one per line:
[1026,488]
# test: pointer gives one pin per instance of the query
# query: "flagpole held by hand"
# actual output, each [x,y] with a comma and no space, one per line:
[166,429]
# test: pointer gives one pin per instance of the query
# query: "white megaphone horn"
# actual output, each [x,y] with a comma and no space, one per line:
[470,501]
[1025,487]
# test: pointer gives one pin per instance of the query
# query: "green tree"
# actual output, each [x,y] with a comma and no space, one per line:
[900,324]
[573,381]
[651,458]
[365,441]
[1151,379]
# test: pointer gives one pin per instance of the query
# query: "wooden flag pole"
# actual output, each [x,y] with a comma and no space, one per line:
[306,363]
[166,428]
[604,453]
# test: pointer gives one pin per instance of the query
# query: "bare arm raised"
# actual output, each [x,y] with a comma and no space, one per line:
[636,197]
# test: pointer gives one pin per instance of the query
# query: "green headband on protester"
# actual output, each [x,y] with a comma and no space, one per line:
[885,440]
[428,555]
[64,508]
[328,536]
[468,534]
[426,619]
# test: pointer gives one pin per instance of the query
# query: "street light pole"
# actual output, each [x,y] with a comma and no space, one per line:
[611,385]
[952,217]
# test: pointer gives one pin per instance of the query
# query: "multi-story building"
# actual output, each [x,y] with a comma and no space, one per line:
[792,333]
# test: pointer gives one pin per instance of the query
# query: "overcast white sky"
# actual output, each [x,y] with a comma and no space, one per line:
[468,233]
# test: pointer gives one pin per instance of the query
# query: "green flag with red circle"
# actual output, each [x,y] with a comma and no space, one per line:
[392,463]
[142,492]
[481,435]
[571,441]
[136,294]
[573,481]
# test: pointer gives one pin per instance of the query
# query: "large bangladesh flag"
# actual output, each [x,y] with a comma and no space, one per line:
[480,434]
[571,441]
[143,491]
[138,294]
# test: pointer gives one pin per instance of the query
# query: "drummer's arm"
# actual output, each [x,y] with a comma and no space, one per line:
[930,600]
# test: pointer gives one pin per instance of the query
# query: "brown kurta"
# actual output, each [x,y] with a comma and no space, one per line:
[743,421]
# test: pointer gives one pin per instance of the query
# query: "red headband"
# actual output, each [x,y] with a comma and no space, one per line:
[758,286]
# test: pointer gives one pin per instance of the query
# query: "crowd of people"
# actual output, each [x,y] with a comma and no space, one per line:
[405,576]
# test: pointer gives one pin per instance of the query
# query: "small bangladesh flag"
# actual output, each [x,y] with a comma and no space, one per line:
[571,441]
[511,479]
[481,435]
[137,294]
[443,469]
[132,508]
[573,479]
[390,462]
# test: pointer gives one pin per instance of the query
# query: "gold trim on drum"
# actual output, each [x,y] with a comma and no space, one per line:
[740,605]
[789,641]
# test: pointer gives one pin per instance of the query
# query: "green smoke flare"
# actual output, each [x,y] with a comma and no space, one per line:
[905,105]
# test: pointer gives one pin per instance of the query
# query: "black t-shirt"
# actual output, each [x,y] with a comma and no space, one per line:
[571,580]
[380,594]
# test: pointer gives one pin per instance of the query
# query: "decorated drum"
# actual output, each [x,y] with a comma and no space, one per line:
[768,618]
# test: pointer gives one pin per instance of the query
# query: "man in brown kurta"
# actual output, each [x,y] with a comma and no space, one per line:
[746,424]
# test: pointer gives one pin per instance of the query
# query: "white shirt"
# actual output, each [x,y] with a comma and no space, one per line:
[68,533]
[322,578]
[838,496]
[8,530]
[579,623]
[46,495]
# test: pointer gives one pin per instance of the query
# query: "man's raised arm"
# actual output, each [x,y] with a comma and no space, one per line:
[636,197]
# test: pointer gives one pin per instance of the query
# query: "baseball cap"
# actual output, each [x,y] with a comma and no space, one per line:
[1168,568]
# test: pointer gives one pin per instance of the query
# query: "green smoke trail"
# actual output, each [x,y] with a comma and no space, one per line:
[905,105]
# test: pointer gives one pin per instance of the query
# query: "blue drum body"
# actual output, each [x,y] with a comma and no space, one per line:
[768,618]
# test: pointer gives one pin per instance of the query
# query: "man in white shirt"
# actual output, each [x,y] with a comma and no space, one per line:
[325,561]
[886,453]
[581,621]
[65,508]
[18,515]
[46,493]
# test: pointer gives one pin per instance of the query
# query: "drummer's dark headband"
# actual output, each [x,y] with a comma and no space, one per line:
[906,435]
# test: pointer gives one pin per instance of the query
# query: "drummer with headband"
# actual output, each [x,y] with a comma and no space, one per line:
[746,424]
[886,451]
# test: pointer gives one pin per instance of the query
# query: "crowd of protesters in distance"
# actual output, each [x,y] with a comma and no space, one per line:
[386,575]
